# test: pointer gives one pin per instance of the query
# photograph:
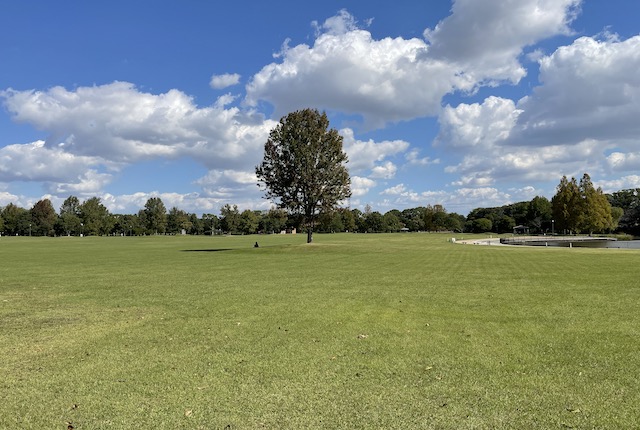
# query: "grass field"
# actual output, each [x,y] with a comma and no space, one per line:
[404,331]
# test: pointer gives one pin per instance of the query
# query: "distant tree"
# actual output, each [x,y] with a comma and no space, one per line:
[480,225]
[374,222]
[249,221]
[359,221]
[566,205]
[178,220]
[44,217]
[391,222]
[539,213]
[209,223]
[330,222]
[616,214]
[70,216]
[434,218]
[413,218]
[126,225]
[94,217]
[273,221]
[348,221]
[230,221]
[303,169]
[629,201]
[504,224]
[518,211]
[581,208]
[596,209]
[155,216]
[455,222]
[16,220]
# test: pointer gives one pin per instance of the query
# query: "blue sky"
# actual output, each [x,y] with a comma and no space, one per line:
[470,103]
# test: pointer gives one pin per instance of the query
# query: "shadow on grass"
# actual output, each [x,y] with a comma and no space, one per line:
[207,250]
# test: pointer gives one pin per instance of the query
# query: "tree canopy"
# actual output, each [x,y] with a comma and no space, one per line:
[581,207]
[303,169]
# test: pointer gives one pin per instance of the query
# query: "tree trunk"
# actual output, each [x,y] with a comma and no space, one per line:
[309,234]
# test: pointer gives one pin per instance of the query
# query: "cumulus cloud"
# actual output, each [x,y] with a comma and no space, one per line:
[459,200]
[396,79]
[227,183]
[477,125]
[589,90]
[95,131]
[7,197]
[59,171]
[394,191]
[384,171]
[623,183]
[361,186]
[36,162]
[223,81]
[621,162]
[582,117]
[485,38]
[413,157]
[119,123]
[363,155]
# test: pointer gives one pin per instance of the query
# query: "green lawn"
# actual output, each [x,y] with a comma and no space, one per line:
[354,331]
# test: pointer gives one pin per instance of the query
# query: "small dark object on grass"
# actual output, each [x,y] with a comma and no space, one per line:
[256,245]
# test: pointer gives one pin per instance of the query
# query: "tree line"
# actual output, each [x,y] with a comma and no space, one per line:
[576,208]
[92,218]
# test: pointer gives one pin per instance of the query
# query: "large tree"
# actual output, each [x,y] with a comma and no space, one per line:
[44,218]
[70,216]
[95,217]
[155,216]
[566,205]
[230,221]
[581,208]
[596,212]
[303,169]
[16,220]
[629,201]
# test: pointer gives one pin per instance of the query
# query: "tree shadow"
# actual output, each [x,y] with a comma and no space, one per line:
[207,250]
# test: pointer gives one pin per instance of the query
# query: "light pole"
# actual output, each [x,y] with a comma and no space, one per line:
[553,224]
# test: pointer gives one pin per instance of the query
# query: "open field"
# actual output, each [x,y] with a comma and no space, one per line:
[403,331]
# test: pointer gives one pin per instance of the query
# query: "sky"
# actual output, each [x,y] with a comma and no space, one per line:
[464,103]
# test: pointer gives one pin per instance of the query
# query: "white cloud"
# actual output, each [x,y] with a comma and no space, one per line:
[586,107]
[589,90]
[394,191]
[398,79]
[361,186]
[219,82]
[363,155]
[621,162]
[623,183]
[115,124]
[89,183]
[413,157]
[460,200]
[486,37]
[477,125]
[342,23]
[118,123]
[230,183]
[190,202]
[6,198]
[385,171]
[37,163]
